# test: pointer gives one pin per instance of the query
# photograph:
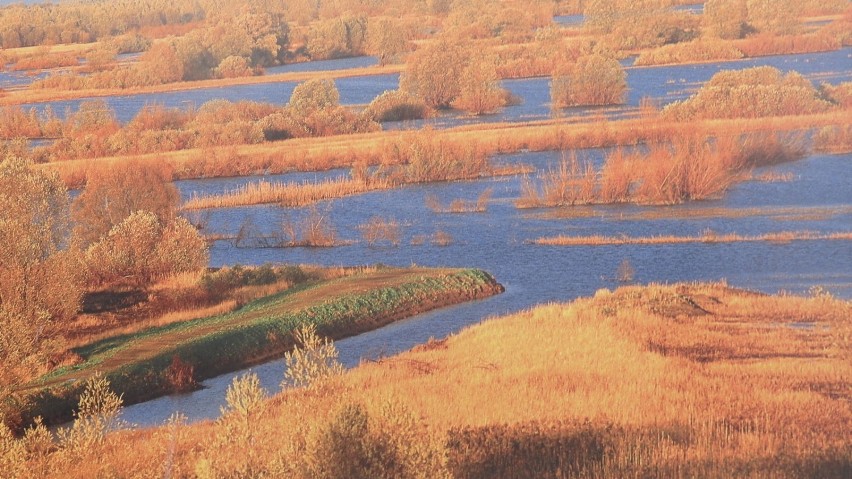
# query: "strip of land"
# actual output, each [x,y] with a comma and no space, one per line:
[342,151]
[137,364]
[16,97]
[708,237]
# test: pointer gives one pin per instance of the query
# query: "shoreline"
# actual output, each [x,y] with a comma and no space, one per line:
[228,345]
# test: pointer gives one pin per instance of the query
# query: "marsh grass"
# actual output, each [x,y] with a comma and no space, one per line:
[480,205]
[708,236]
[686,380]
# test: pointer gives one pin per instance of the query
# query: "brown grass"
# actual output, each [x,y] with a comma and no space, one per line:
[285,194]
[480,205]
[834,139]
[687,167]
[317,154]
[378,231]
[764,45]
[49,95]
[708,236]
[667,381]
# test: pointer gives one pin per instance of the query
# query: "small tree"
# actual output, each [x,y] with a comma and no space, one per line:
[313,95]
[479,87]
[432,73]
[97,414]
[113,193]
[312,361]
[233,67]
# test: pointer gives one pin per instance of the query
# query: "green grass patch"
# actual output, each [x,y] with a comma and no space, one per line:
[136,364]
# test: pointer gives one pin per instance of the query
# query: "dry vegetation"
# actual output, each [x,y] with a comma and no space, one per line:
[689,167]
[663,381]
[674,381]
[708,236]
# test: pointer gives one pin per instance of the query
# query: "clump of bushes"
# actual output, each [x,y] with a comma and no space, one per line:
[751,93]
[592,80]
[141,248]
[397,105]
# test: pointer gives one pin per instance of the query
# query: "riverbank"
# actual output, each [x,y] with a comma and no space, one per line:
[686,380]
[143,365]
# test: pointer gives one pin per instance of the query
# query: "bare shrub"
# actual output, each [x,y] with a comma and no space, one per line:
[378,230]
[442,238]
[97,414]
[313,361]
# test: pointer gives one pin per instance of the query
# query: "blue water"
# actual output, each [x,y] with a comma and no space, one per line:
[695,8]
[663,83]
[497,241]
[569,20]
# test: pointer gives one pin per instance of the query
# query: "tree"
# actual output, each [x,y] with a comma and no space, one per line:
[115,192]
[338,38]
[161,64]
[432,73]
[772,16]
[39,283]
[387,39]
[592,80]
[313,95]
[479,87]
[142,248]
[726,18]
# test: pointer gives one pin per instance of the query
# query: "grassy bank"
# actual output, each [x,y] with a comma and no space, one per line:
[690,380]
[140,365]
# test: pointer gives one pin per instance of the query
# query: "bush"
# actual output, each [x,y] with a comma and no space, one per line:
[432,73]
[750,93]
[396,105]
[313,95]
[234,67]
[141,249]
[592,80]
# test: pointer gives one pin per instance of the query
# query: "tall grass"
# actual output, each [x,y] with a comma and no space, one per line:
[689,167]
[687,380]
[708,236]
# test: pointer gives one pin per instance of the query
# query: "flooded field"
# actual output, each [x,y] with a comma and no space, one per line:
[817,198]
[664,84]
